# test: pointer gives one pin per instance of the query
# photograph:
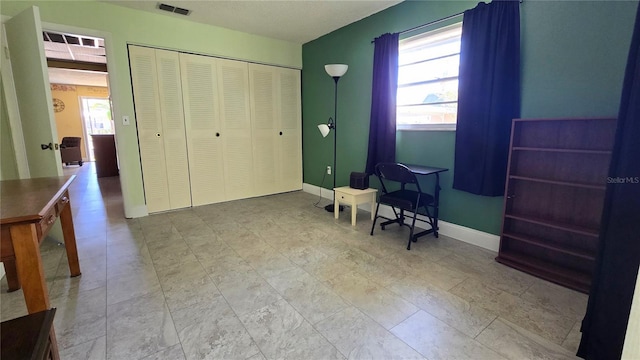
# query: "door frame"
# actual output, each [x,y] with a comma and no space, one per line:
[11,99]
[131,211]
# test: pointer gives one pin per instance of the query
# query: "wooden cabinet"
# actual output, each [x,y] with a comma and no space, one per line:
[556,182]
[213,130]
[104,151]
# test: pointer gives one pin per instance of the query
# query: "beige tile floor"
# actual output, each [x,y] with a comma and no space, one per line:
[275,277]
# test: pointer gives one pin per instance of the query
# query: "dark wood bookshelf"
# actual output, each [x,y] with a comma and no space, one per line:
[556,181]
[577,280]
[578,151]
[556,224]
[584,254]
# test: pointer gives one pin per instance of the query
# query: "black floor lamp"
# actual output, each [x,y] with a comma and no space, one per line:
[335,71]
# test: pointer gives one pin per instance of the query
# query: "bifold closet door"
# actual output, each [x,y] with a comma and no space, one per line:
[173,135]
[264,123]
[204,131]
[276,120]
[290,133]
[158,106]
[235,120]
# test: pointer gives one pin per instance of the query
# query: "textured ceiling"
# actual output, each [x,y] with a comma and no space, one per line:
[298,21]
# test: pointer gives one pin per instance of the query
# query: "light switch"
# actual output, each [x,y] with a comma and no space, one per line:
[125,120]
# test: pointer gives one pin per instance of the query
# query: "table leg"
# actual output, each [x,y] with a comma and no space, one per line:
[336,207]
[55,355]
[373,206]
[29,265]
[66,220]
[354,211]
[13,283]
[436,205]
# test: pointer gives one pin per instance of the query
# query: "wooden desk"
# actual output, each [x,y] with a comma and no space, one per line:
[29,337]
[28,209]
[422,170]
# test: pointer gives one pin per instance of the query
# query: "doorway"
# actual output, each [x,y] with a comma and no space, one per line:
[78,76]
[96,120]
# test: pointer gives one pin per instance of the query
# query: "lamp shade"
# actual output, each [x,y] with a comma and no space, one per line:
[336,70]
[324,129]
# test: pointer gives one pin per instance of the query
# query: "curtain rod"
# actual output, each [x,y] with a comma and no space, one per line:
[434,22]
[428,24]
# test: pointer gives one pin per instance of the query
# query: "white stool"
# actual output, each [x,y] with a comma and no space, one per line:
[354,197]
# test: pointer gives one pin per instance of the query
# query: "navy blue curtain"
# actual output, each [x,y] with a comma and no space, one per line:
[605,323]
[382,128]
[488,96]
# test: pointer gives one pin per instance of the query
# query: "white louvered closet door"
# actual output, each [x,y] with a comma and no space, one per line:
[173,135]
[233,84]
[290,146]
[149,123]
[202,120]
[264,124]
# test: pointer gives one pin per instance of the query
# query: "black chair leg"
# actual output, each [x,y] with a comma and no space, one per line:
[413,226]
[433,222]
[375,218]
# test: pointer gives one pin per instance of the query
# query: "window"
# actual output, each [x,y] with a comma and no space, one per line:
[427,97]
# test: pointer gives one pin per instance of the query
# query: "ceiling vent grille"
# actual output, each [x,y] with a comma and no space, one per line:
[173,9]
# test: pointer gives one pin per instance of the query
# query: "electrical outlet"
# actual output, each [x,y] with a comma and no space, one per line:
[328,170]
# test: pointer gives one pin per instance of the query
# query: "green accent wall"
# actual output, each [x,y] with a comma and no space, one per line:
[129,26]
[573,59]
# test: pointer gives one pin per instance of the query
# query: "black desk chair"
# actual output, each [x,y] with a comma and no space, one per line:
[391,175]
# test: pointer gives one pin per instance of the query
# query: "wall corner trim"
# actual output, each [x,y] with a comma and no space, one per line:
[136,212]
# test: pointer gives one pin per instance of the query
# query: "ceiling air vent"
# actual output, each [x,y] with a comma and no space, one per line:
[173,9]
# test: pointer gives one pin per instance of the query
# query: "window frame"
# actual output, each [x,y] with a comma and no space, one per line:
[457,24]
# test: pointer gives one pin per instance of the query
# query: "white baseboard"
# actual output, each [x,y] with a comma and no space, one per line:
[1,270]
[135,211]
[454,231]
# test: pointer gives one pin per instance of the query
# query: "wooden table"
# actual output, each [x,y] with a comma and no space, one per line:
[354,197]
[28,209]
